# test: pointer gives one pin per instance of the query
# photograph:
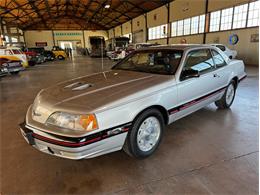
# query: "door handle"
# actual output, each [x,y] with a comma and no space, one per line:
[216,75]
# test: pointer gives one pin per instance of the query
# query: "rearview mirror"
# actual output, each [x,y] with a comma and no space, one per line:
[189,73]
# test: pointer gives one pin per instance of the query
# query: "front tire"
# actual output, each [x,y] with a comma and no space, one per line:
[61,57]
[15,73]
[145,135]
[228,97]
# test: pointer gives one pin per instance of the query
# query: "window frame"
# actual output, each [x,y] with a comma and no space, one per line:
[217,67]
[201,73]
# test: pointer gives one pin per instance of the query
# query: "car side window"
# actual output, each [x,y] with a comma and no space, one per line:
[218,59]
[8,52]
[199,60]
[222,47]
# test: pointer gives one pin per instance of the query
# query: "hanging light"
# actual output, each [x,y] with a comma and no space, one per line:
[107,6]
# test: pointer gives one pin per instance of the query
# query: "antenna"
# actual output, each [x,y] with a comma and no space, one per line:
[102,62]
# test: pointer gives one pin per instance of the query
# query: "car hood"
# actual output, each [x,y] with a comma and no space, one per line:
[100,91]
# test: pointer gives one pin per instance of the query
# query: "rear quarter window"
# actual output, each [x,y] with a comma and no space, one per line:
[222,47]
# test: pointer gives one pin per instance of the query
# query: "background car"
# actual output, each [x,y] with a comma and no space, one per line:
[59,53]
[39,54]
[3,70]
[12,66]
[10,52]
[232,54]
[49,55]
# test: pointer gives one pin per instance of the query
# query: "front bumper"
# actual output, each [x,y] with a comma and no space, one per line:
[15,69]
[76,148]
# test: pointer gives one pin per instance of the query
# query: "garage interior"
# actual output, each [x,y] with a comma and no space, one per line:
[208,152]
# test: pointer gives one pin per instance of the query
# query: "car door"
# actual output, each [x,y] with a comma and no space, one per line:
[196,92]
[221,73]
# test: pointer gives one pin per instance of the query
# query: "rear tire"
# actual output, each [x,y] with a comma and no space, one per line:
[228,97]
[145,135]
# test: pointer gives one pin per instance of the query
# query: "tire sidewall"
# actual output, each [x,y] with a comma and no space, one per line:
[60,57]
[132,135]
[231,83]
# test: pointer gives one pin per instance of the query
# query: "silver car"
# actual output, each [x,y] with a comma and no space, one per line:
[129,106]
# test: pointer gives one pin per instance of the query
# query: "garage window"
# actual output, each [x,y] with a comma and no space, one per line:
[253,14]
[174,29]
[180,28]
[157,32]
[195,25]
[214,21]
[186,26]
[240,14]
[226,19]
[202,23]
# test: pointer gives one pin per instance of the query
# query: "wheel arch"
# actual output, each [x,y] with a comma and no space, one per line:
[160,108]
[235,79]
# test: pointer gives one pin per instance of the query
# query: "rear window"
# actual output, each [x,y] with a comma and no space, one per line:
[16,51]
[221,47]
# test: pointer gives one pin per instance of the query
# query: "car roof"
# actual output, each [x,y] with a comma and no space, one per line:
[9,47]
[178,46]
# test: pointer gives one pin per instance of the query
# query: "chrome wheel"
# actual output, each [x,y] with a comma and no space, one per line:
[148,134]
[230,94]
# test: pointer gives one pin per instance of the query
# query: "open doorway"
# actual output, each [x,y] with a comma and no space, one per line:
[74,45]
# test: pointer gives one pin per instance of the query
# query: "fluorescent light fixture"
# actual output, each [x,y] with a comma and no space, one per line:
[107,6]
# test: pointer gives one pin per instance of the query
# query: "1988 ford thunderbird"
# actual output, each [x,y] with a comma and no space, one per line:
[129,106]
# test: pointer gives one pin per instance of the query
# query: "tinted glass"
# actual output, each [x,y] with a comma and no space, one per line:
[200,60]
[16,51]
[221,47]
[218,59]
[152,61]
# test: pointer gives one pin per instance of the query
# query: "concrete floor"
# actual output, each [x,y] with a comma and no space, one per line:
[210,151]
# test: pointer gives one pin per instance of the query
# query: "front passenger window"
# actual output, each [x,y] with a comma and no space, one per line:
[218,59]
[200,60]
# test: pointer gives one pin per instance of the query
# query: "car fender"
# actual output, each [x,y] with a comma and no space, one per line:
[126,113]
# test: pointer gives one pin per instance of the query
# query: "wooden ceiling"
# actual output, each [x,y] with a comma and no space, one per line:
[73,14]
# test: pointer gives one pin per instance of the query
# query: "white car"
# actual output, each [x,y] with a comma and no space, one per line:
[10,52]
[129,106]
[232,54]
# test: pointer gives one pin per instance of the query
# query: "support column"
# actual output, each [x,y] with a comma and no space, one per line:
[84,42]
[53,38]
[207,18]
[146,27]
[168,23]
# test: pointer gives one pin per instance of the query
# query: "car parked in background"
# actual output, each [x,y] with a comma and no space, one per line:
[59,53]
[3,70]
[12,66]
[49,55]
[153,87]
[232,54]
[39,51]
[13,53]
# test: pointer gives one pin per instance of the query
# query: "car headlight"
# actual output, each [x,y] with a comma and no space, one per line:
[75,122]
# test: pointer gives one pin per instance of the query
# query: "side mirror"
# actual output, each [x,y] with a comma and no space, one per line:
[189,73]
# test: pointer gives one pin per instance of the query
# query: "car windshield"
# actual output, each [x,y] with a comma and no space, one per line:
[152,61]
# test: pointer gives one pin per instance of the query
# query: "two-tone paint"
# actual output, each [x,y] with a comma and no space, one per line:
[117,97]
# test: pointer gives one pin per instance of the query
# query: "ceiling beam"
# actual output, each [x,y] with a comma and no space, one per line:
[37,11]
[87,8]
[46,2]
[53,21]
